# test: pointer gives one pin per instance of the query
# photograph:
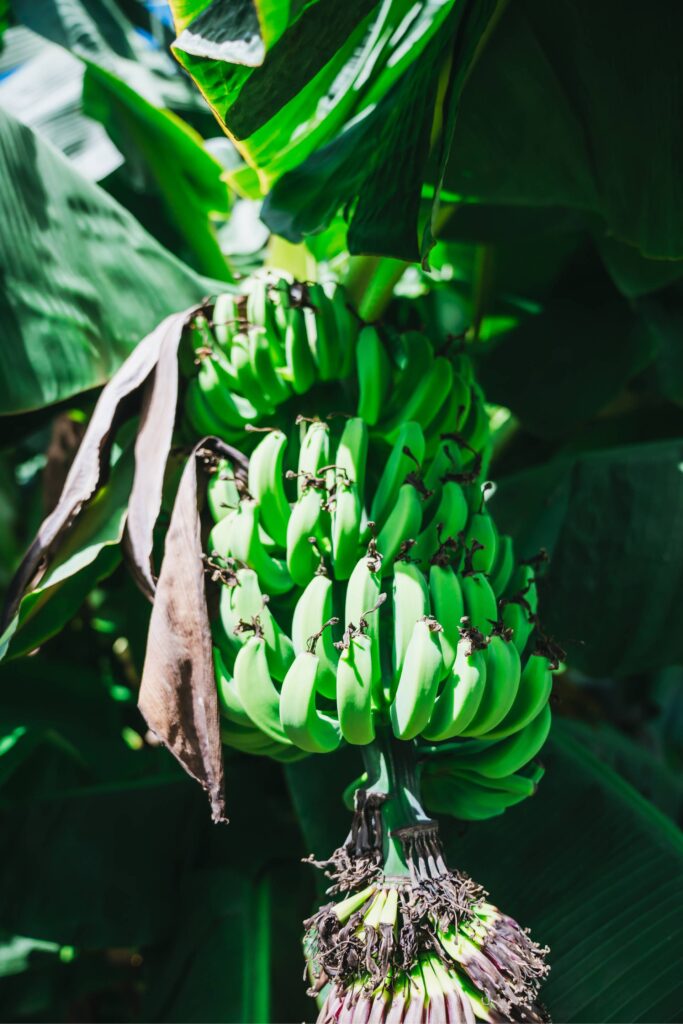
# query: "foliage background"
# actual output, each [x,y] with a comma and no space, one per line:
[554,180]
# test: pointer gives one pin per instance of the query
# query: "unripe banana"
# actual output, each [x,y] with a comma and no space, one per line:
[244,604]
[535,686]
[346,524]
[352,453]
[504,757]
[481,538]
[414,358]
[217,387]
[323,338]
[301,368]
[411,602]
[225,321]
[247,382]
[313,610]
[480,602]
[502,682]
[202,418]
[406,457]
[256,691]
[249,740]
[266,484]
[402,523]
[265,314]
[447,522]
[501,571]
[221,491]
[314,453]
[245,544]
[274,387]
[374,375]
[363,596]
[448,608]
[520,605]
[461,695]
[229,702]
[354,690]
[426,399]
[302,528]
[304,725]
[347,328]
[466,796]
[418,681]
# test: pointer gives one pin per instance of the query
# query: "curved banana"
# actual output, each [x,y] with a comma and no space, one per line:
[504,757]
[229,702]
[202,418]
[312,612]
[346,524]
[469,797]
[303,724]
[301,368]
[535,686]
[414,360]
[481,536]
[374,375]
[221,491]
[274,388]
[247,382]
[411,602]
[502,568]
[448,608]
[352,452]
[245,544]
[426,399]
[218,390]
[313,454]
[418,681]
[266,484]
[256,691]
[481,606]
[244,604]
[354,690]
[447,522]
[502,682]
[402,523]
[461,695]
[323,337]
[250,740]
[266,315]
[347,328]
[363,597]
[302,528]
[520,605]
[406,457]
[225,320]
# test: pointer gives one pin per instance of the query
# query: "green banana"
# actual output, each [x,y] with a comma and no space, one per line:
[301,368]
[266,484]
[418,681]
[244,604]
[406,457]
[221,491]
[520,605]
[303,724]
[480,602]
[347,328]
[448,608]
[363,596]
[346,525]
[502,682]
[426,399]
[504,757]
[374,375]
[352,453]
[313,454]
[447,522]
[229,702]
[245,544]
[321,325]
[312,612]
[502,568]
[535,686]
[225,321]
[249,740]
[481,538]
[411,602]
[402,523]
[463,796]
[414,359]
[256,691]
[217,387]
[461,694]
[202,418]
[247,382]
[354,690]
[303,528]
[274,387]
[265,316]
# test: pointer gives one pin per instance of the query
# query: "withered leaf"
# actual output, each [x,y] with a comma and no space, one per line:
[178,693]
[86,470]
[152,447]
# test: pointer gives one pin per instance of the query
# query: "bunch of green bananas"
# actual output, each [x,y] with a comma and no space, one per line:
[363,578]
[472,973]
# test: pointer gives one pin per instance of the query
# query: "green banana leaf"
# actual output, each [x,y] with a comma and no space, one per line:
[590,866]
[610,520]
[317,98]
[81,281]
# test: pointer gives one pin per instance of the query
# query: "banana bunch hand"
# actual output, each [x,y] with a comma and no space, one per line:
[362,578]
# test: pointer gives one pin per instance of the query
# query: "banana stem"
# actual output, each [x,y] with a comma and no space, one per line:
[391,767]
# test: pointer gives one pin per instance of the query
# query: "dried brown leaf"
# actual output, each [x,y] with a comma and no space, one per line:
[178,692]
[86,470]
